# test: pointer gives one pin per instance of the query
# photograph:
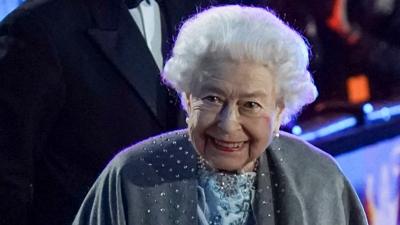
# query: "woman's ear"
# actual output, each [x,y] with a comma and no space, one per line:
[187,102]
[280,108]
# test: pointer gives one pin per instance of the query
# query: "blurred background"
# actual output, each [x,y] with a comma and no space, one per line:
[355,61]
[7,6]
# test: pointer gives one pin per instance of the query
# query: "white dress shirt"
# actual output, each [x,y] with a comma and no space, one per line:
[147,17]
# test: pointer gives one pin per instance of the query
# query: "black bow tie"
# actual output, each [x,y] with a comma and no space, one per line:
[134,3]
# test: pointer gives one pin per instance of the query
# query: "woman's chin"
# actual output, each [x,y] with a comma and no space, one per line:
[231,167]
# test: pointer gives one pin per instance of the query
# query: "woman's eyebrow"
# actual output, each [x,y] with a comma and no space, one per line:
[212,88]
[254,94]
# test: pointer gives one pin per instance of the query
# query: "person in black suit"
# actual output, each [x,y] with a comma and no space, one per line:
[77,84]
[370,33]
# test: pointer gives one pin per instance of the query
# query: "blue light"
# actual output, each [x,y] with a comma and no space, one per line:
[297,130]
[309,136]
[7,6]
[367,108]
[330,129]
[385,113]
[338,126]
[395,110]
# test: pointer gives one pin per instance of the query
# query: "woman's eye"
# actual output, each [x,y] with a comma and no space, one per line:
[213,99]
[252,105]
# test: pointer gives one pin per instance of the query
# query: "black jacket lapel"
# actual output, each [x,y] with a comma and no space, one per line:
[120,39]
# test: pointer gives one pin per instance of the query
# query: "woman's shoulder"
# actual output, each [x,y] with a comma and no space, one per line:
[162,142]
[304,156]
[169,155]
[295,145]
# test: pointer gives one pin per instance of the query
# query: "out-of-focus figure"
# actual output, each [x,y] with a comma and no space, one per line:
[79,81]
[370,32]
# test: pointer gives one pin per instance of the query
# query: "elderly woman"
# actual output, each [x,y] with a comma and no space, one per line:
[241,72]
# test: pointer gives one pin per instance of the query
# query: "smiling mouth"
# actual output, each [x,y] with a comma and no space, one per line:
[227,146]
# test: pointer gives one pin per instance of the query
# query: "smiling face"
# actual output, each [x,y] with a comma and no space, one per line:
[232,114]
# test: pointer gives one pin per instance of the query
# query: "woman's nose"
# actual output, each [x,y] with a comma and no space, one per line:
[229,119]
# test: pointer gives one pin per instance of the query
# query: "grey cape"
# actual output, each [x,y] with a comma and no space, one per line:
[155,183]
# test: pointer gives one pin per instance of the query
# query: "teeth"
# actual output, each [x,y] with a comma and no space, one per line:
[228,144]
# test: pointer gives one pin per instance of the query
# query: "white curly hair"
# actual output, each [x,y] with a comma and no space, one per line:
[241,33]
